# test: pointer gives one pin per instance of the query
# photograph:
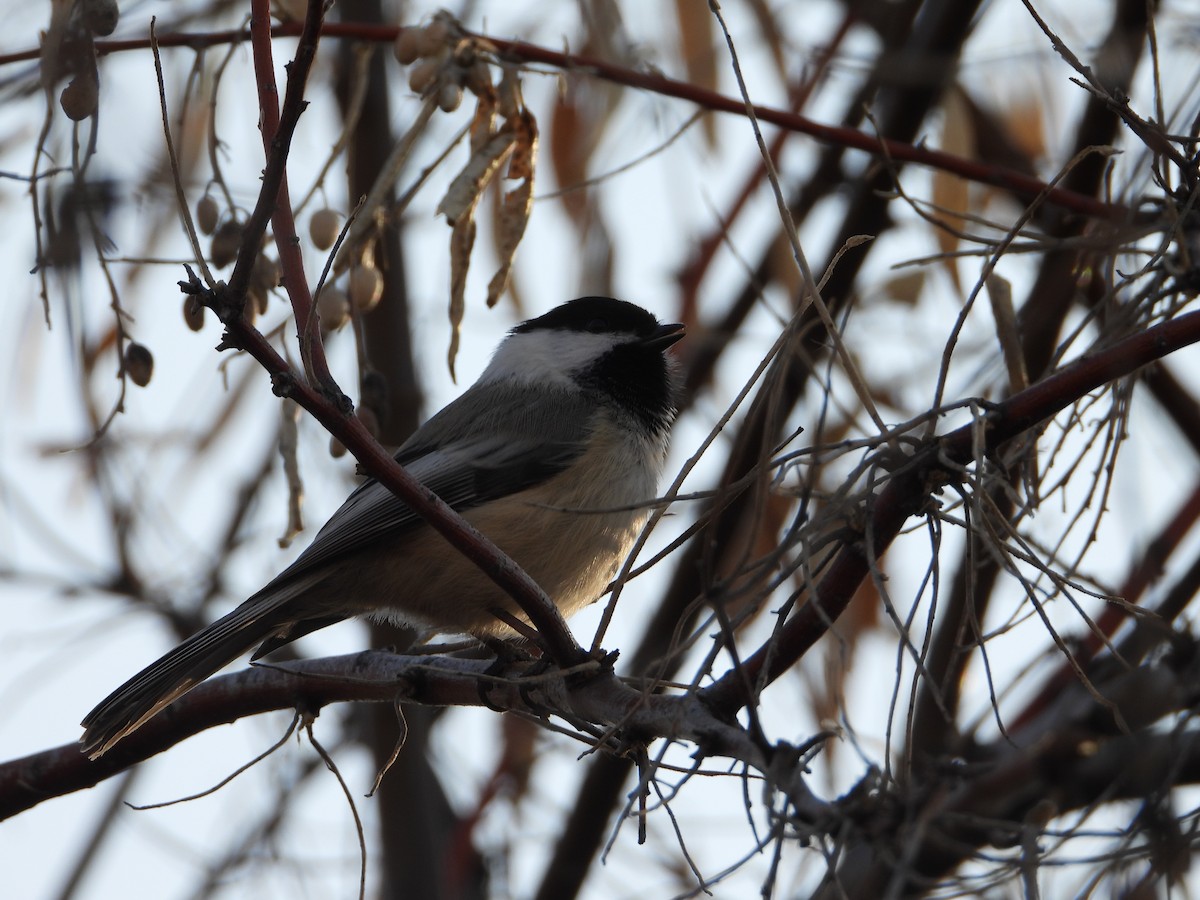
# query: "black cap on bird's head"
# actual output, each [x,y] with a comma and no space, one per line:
[631,368]
[606,315]
[597,344]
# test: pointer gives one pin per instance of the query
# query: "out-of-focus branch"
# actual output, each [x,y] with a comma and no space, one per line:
[907,491]
[1018,183]
[1052,297]
[732,514]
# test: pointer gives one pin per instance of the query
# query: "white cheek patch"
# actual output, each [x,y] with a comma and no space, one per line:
[549,356]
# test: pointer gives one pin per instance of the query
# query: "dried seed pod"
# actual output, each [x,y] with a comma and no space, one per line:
[366,287]
[99,16]
[207,214]
[80,98]
[424,75]
[333,308]
[434,36]
[256,300]
[265,274]
[449,97]
[336,448]
[139,363]
[478,78]
[193,313]
[407,46]
[226,242]
[324,227]
[510,95]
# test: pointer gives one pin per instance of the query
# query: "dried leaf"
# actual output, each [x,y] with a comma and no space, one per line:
[518,754]
[483,122]
[772,32]
[462,239]
[1026,127]
[905,287]
[289,442]
[569,153]
[699,55]
[772,518]
[862,613]
[525,134]
[514,214]
[1012,139]
[950,192]
[577,126]
[515,141]
[515,208]
[464,192]
[781,265]
[1007,332]
[66,51]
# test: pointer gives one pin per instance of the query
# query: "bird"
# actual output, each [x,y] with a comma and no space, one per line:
[554,453]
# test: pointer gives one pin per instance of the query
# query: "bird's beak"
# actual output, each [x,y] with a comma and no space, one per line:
[664,336]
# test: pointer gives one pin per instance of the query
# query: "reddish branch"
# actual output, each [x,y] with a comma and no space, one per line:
[908,491]
[324,401]
[706,247]
[274,200]
[1019,183]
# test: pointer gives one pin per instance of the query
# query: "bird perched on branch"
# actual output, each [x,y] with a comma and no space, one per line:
[554,453]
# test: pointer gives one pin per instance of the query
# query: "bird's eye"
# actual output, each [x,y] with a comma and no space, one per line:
[597,326]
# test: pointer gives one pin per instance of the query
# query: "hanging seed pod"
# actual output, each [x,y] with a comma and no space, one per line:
[193,313]
[333,308]
[226,242]
[449,97]
[139,363]
[434,37]
[80,98]
[510,95]
[366,287]
[407,46]
[207,214]
[99,16]
[265,273]
[424,74]
[336,448]
[256,303]
[478,78]
[324,227]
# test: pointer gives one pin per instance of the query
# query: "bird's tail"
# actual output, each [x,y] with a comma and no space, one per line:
[128,707]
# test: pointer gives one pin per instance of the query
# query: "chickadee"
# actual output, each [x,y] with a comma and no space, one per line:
[552,453]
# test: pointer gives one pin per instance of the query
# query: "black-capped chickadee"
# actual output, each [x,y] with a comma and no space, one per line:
[553,453]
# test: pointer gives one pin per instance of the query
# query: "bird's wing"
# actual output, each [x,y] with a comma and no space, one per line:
[491,442]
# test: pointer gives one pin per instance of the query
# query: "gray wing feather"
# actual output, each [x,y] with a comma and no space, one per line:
[161,682]
[491,442]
